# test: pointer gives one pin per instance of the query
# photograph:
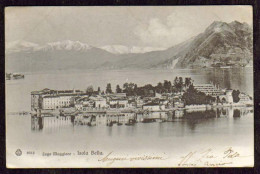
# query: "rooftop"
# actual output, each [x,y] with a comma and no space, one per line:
[49,91]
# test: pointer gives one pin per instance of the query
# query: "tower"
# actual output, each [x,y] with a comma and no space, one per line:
[229,96]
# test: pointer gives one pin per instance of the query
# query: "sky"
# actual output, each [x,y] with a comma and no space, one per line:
[147,26]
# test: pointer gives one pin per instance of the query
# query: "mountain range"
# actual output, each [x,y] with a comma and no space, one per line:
[68,45]
[220,42]
[121,49]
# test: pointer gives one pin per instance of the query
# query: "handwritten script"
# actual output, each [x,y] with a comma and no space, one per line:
[110,159]
[198,158]
[209,158]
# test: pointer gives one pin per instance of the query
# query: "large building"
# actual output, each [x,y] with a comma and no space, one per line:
[56,101]
[53,99]
[209,89]
[118,102]
[244,98]
[153,106]
[227,97]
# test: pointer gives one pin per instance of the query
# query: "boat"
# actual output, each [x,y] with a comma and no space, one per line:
[18,76]
[148,120]
[8,76]
[14,76]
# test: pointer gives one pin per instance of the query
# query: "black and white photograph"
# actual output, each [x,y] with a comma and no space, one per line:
[129,86]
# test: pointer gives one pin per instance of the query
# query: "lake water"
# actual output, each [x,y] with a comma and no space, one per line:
[18,91]
[171,140]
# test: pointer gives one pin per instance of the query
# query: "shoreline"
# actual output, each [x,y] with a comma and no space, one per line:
[135,110]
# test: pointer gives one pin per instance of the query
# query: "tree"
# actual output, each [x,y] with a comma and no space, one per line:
[159,88]
[146,90]
[235,95]
[108,89]
[180,83]
[187,82]
[176,82]
[167,85]
[118,89]
[90,90]
[125,86]
[131,86]
[194,97]
[210,99]
[189,96]
[135,89]
[129,89]
[98,90]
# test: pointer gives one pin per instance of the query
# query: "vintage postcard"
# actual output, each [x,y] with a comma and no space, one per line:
[129,86]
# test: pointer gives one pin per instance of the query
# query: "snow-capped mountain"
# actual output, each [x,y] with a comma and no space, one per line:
[121,49]
[65,45]
[68,45]
[56,56]
[220,43]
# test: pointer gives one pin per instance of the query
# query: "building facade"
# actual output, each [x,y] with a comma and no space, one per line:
[153,107]
[53,99]
[227,97]
[208,89]
[244,98]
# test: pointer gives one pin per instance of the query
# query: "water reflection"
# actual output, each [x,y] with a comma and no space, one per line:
[180,117]
[52,123]
[234,78]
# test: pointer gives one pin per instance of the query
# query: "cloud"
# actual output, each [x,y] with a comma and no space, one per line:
[150,26]
[186,22]
[164,34]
